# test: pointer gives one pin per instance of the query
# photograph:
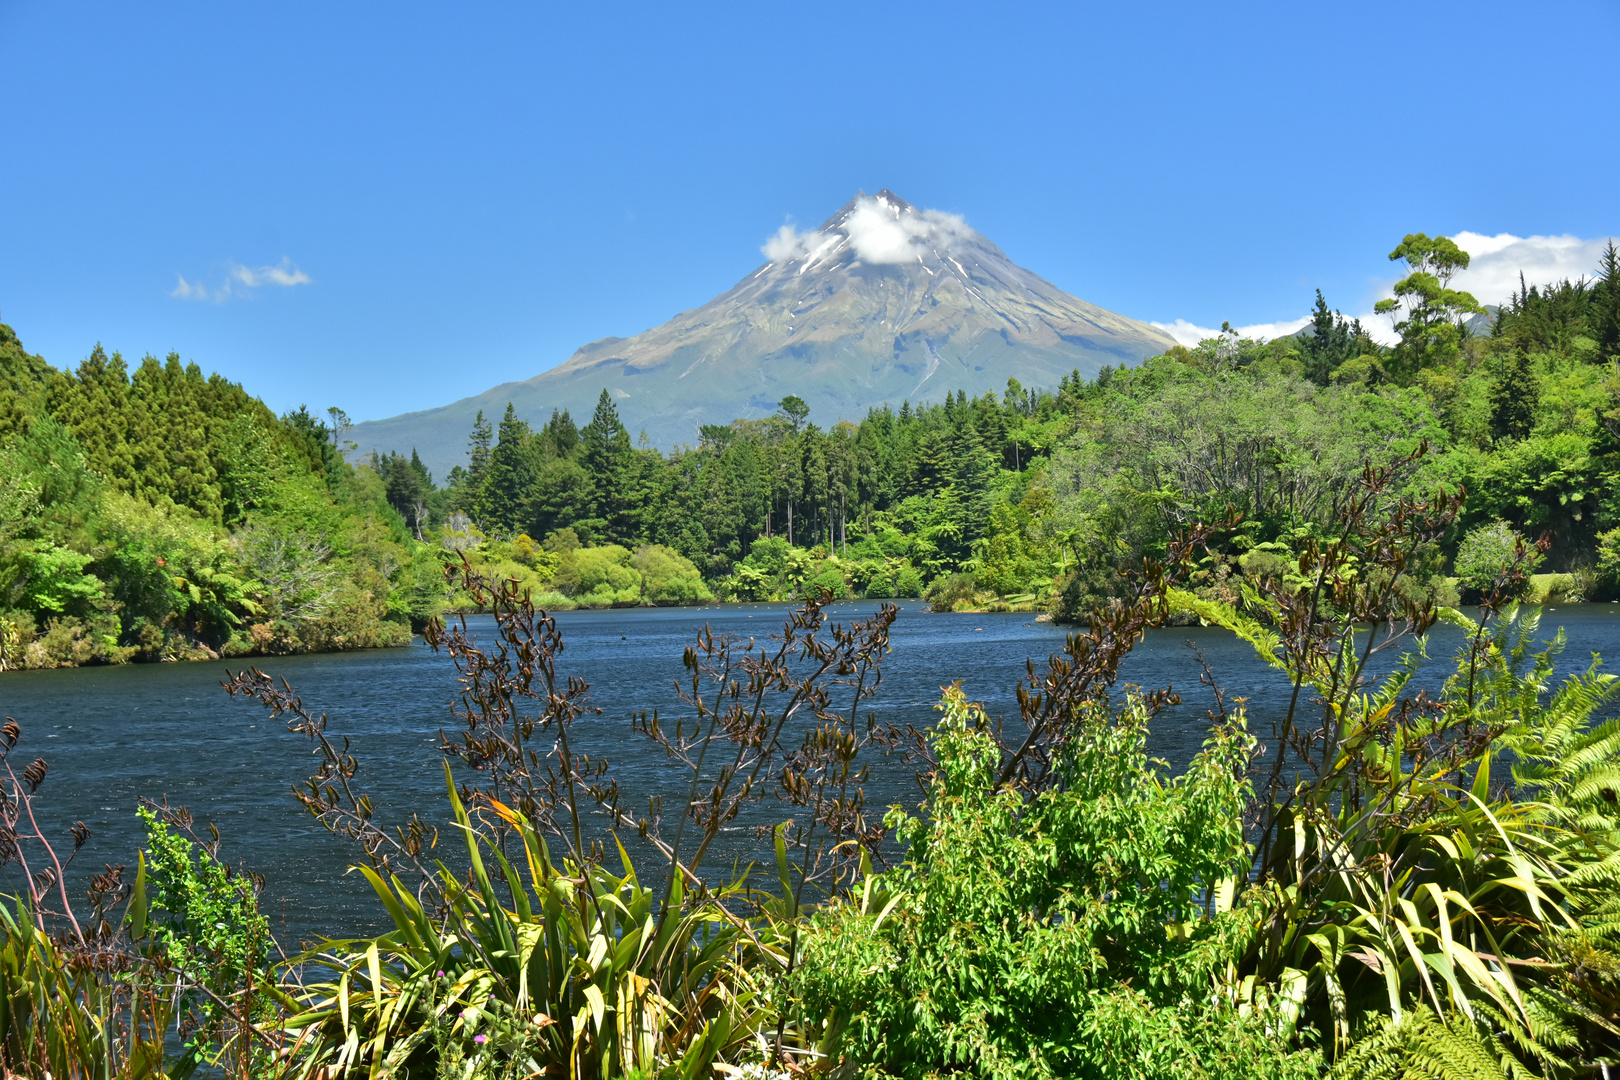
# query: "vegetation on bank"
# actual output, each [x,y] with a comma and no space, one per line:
[160,514]
[1392,882]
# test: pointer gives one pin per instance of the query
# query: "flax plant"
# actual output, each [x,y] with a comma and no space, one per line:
[531,963]
[1428,866]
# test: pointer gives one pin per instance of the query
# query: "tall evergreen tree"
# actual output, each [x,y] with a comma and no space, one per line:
[1514,397]
[560,433]
[1331,342]
[406,485]
[510,478]
[1606,304]
[606,456]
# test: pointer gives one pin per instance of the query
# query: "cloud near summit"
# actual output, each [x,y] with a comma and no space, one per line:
[878,232]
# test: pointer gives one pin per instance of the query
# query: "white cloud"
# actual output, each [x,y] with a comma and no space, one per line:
[878,231]
[188,290]
[1495,262]
[881,232]
[788,244]
[1188,334]
[240,280]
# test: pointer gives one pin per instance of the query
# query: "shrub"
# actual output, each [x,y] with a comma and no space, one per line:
[830,580]
[599,575]
[948,591]
[52,578]
[668,577]
[880,587]
[774,568]
[1553,589]
[1050,932]
[1486,553]
[562,541]
[908,583]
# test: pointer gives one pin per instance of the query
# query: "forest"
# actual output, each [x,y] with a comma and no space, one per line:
[158,514]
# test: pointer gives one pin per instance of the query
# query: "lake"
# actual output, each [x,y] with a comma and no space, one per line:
[115,734]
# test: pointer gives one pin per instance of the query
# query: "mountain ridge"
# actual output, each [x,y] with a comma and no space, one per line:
[882,303]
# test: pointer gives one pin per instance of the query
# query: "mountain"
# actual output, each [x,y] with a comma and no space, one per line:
[883,303]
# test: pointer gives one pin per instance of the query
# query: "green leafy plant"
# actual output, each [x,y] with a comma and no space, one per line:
[1071,934]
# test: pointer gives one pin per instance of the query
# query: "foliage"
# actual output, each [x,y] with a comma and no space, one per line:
[107,995]
[667,577]
[1391,874]
[1060,936]
[1488,552]
[203,920]
[158,514]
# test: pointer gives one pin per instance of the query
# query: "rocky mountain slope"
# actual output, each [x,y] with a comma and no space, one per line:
[883,303]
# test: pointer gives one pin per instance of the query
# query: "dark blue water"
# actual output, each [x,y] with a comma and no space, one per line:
[114,735]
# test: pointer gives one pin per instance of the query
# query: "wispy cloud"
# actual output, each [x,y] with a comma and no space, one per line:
[240,281]
[1493,274]
[879,232]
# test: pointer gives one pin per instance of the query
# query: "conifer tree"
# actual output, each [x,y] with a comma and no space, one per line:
[1606,304]
[1514,397]
[510,477]
[467,484]
[560,433]
[606,455]
[478,450]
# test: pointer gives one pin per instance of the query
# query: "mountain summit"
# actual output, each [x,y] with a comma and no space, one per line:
[883,303]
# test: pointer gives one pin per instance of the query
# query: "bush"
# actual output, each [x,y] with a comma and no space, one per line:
[1553,589]
[52,579]
[1036,931]
[1486,553]
[667,577]
[908,583]
[599,575]
[880,587]
[773,569]
[1084,588]
[948,591]
[831,581]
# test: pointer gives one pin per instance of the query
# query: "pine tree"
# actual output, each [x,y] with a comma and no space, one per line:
[510,479]
[606,454]
[406,486]
[467,485]
[1514,397]
[1606,304]
[478,450]
[560,433]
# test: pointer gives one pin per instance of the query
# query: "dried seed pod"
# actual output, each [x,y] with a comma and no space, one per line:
[10,732]
[35,773]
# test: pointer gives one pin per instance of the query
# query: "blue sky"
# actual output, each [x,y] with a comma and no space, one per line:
[386,207]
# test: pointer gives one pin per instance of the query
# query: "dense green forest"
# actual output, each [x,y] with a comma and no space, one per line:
[157,513]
